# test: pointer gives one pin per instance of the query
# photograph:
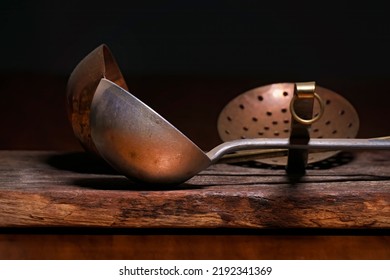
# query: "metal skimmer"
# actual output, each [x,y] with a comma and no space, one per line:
[265,112]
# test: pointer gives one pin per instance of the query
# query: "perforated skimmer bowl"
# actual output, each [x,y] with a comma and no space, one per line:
[265,112]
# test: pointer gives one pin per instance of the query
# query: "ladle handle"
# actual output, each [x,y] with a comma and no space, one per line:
[284,143]
[248,155]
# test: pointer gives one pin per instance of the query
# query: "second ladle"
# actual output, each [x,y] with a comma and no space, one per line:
[142,145]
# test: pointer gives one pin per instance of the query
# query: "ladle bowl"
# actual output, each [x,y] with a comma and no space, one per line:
[138,141]
[81,88]
[142,145]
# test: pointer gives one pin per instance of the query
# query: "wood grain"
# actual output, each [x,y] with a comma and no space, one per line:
[53,189]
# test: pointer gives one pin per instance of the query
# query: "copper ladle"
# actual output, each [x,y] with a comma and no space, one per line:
[142,145]
[81,87]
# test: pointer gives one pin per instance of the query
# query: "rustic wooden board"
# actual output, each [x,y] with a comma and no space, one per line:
[54,189]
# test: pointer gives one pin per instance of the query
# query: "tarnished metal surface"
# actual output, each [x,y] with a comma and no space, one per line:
[139,142]
[265,112]
[81,87]
[142,145]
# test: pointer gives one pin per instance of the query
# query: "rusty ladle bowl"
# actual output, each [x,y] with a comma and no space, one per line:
[81,87]
[142,145]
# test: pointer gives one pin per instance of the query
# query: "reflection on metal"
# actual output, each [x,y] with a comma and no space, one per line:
[142,145]
[145,147]
[81,88]
[311,120]
[265,112]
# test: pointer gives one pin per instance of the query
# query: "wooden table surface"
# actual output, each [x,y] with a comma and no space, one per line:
[63,205]
[54,189]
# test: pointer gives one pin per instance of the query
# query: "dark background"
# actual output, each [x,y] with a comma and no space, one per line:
[220,38]
[187,59]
